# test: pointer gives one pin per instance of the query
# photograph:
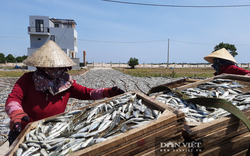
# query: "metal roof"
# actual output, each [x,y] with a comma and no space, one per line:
[63,21]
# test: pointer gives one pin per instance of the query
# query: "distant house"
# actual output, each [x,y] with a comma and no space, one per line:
[62,31]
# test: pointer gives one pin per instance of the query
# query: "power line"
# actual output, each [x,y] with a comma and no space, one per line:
[163,40]
[193,42]
[186,6]
[123,42]
[240,44]
[99,40]
[134,42]
[12,37]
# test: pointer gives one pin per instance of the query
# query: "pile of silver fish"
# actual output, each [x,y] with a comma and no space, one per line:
[79,129]
[217,88]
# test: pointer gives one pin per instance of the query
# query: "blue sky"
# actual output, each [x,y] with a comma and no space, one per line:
[115,32]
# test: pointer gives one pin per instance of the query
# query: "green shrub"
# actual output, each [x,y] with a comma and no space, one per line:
[173,74]
[133,62]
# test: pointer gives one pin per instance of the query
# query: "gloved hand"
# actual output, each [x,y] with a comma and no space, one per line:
[15,124]
[109,92]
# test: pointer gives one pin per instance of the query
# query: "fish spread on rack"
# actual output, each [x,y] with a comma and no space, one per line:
[217,88]
[79,129]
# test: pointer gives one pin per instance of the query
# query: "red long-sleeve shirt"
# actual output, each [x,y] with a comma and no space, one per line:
[39,105]
[233,69]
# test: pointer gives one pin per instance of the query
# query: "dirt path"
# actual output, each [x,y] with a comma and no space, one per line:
[98,68]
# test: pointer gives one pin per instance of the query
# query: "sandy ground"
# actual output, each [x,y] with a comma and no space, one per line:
[97,68]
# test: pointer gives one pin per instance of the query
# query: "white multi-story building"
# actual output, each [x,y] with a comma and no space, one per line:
[62,31]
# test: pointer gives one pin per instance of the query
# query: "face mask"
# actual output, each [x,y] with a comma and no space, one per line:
[54,73]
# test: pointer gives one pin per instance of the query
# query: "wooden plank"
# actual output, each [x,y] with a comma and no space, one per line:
[192,80]
[142,142]
[226,147]
[194,124]
[212,126]
[227,151]
[241,153]
[148,100]
[160,135]
[180,82]
[174,137]
[242,147]
[233,76]
[178,151]
[227,132]
[160,105]
[21,138]
[156,149]
[191,85]
[145,142]
[215,141]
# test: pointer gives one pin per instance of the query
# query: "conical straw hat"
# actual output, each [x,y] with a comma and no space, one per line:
[222,53]
[49,55]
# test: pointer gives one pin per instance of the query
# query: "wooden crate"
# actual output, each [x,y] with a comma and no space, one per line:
[242,79]
[218,135]
[229,147]
[157,150]
[131,142]
[181,82]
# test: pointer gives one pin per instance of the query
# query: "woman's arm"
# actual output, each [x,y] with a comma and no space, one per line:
[14,100]
[84,93]
[80,92]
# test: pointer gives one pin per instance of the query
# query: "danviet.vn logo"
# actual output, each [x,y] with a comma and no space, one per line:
[180,146]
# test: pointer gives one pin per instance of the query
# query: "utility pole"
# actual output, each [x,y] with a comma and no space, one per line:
[168,54]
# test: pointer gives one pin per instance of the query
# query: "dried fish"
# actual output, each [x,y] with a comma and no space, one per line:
[18,152]
[79,129]
[217,88]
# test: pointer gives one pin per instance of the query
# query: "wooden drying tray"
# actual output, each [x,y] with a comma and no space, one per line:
[204,128]
[138,137]
[244,80]
[168,117]
[221,135]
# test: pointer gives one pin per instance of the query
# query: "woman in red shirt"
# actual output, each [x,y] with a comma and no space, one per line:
[224,62]
[46,91]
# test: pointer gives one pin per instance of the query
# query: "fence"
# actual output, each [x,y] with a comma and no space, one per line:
[144,65]
[159,65]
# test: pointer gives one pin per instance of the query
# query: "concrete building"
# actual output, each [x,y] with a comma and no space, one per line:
[62,31]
